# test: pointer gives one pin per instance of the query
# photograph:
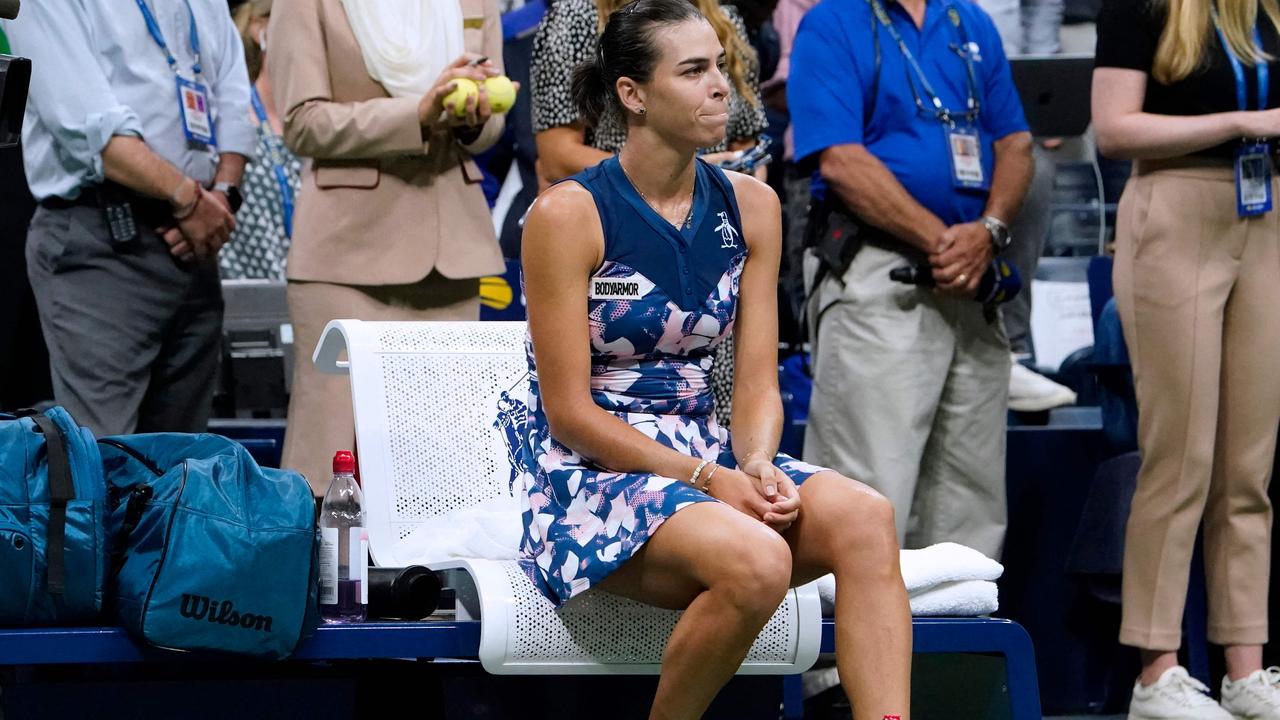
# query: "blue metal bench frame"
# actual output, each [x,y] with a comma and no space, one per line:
[50,646]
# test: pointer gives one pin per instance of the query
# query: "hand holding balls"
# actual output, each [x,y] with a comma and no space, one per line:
[500,89]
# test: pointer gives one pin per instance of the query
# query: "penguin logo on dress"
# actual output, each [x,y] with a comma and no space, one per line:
[728,233]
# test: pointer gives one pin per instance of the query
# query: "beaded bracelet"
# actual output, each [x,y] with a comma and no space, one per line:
[698,471]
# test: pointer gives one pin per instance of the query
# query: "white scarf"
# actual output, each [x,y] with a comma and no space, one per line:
[406,44]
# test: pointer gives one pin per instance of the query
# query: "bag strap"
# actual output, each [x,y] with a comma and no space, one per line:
[139,496]
[61,490]
[142,459]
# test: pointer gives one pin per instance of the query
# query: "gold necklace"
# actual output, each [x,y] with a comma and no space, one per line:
[688,218]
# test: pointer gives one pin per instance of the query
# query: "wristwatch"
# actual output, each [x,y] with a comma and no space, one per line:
[233,195]
[1000,237]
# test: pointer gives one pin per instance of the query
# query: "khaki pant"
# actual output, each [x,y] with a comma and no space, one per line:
[321,421]
[1198,290]
[910,391]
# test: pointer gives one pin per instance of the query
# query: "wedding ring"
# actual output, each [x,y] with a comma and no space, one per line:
[962,279]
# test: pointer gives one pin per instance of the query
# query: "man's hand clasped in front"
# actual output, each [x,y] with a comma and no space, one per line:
[203,223]
[961,258]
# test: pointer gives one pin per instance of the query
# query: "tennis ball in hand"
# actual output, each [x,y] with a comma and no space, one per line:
[502,93]
[456,101]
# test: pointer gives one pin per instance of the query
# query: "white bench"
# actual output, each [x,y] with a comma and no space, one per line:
[437,405]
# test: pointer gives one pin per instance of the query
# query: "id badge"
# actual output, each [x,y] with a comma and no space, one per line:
[966,158]
[193,101]
[1253,180]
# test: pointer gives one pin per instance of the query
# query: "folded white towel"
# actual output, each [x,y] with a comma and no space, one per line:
[490,530]
[929,568]
[963,598]
[944,563]
[966,598]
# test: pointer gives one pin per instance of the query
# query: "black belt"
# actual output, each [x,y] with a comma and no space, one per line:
[146,209]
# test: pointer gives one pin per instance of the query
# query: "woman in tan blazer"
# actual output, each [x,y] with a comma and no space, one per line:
[391,223]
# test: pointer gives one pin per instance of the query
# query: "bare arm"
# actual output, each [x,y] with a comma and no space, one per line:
[128,160]
[563,244]
[868,188]
[757,403]
[1014,167]
[563,151]
[230,168]
[1125,131]
[206,222]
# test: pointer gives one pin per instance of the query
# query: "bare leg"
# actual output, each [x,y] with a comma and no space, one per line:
[1243,660]
[729,573]
[847,528]
[1154,663]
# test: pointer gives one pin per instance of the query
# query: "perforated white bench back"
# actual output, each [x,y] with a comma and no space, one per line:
[429,397]
[438,406]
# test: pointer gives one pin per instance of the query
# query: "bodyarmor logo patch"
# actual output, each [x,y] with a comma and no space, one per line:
[631,287]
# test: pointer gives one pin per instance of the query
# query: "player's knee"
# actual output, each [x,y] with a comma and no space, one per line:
[755,572]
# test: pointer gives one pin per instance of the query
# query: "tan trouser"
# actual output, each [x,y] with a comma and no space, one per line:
[1198,291]
[320,417]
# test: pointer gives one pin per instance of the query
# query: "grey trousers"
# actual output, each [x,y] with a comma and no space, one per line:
[909,395]
[134,335]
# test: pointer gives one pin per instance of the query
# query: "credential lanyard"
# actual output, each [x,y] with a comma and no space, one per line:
[941,112]
[1237,69]
[154,28]
[277,161]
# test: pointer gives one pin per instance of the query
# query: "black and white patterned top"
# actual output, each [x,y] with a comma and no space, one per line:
[258,245]
[567,37]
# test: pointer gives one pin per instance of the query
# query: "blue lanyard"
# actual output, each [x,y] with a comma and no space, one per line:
[154,28]
[277,161]
[942,113]
[1263,71]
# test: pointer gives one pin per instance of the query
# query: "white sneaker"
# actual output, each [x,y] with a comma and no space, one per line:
[1175,696]
[1255,697]
[1030,391]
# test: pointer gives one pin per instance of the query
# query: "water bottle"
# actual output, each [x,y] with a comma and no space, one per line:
[344,546]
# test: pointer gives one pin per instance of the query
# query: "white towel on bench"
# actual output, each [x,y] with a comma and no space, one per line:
[963,598]
[945,563]
[490,530]
[947,579]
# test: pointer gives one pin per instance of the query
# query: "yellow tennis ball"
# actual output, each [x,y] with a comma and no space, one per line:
[495,292]
[502,93]
[456,101]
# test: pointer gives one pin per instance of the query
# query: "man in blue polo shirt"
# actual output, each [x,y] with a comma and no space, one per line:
[908,111]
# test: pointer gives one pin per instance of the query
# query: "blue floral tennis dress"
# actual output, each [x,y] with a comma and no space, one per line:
[659,306]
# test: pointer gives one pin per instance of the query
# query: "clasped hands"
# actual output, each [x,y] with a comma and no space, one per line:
[203,224]
[759,489]
[960,258]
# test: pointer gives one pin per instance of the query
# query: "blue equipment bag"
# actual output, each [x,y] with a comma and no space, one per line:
[53,551]
[210,551]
